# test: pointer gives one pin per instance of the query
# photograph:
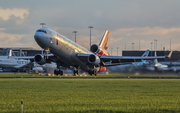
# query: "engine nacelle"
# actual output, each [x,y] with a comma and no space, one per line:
[94,48]
[39,59]
[98,50]
[93,59]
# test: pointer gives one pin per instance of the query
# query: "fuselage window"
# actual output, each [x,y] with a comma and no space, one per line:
[42,31]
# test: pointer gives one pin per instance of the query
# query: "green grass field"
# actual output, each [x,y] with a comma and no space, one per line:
[90,95]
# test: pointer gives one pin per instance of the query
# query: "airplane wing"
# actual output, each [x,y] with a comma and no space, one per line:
[127,58]
[28,57]
[123,59]
[119,60]
[49,58]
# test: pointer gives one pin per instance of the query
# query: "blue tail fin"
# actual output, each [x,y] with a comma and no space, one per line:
[145,55]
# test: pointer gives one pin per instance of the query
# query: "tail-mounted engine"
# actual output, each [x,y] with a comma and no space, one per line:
[93,59]
[98,50]
[39,59]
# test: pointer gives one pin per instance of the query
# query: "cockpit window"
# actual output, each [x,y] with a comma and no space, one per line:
[42,31]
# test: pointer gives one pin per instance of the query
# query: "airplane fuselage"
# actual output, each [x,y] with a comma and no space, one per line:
[61,46]
[6,62]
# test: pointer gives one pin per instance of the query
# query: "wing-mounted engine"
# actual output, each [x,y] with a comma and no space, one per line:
[94,59]
[96,49]
[39,59]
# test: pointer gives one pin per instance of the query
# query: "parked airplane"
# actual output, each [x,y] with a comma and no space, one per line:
[6,62]
[67,53]
[126,67]
[156,66]
[143,62]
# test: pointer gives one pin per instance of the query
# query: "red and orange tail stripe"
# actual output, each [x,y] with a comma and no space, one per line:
[104,40]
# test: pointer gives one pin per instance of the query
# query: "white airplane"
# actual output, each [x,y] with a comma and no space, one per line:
[66,53]
[156,66]
[6,62]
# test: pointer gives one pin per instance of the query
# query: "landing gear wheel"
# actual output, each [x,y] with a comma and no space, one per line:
[60,72]
[92,72]
[57,72]
[76,72]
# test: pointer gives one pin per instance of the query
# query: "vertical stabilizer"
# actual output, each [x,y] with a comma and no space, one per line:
[104,40]
[146,53]
[10,52]
[155,60]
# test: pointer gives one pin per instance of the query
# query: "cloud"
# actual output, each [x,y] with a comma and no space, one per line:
[9,39]
[6,13]
[156,30]
[143,37]
[16,40]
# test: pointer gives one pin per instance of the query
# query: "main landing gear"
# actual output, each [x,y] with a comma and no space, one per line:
[92,72]
[76,71]
[58,72]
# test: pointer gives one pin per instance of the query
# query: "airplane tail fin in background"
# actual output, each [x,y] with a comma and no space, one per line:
[104,40]
[155,60]
[146,53]
[10,52]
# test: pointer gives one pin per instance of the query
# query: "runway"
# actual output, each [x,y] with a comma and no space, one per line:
[62,77]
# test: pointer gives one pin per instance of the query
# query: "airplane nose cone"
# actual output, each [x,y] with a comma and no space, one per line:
[37,37]
[41,39]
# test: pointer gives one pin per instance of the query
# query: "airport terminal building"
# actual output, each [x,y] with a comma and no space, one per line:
[19,51]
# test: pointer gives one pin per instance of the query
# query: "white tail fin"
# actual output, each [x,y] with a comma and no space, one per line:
[155,60]
[10,52]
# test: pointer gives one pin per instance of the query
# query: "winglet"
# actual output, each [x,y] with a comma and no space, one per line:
[104,40]
[169,56]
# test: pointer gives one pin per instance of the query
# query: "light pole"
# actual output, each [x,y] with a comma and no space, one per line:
[139,44]
[155,44]
[132,46]
[170,43]
[117,50]
[42,24]
[90,34]
[75,34]
[111,51]
[151,48]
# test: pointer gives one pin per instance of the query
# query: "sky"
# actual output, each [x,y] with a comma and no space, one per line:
[129,21]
